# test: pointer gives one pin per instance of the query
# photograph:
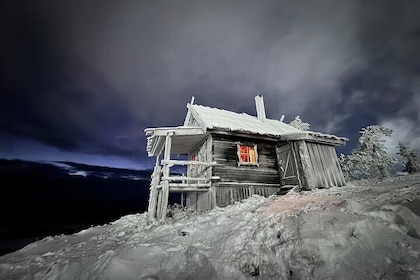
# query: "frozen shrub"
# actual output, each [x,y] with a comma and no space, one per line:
[370,159]
[297,123]
[411,160]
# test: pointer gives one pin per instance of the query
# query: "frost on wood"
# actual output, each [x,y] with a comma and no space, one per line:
[370,159]
[297,123]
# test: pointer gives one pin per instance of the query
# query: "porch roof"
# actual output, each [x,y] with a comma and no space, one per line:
[184,139]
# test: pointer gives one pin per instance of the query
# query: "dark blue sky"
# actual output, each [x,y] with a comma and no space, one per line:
[80,80]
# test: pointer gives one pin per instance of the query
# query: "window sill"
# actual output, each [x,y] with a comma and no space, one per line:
[248,164]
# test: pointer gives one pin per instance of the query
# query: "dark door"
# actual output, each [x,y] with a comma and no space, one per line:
[287,165]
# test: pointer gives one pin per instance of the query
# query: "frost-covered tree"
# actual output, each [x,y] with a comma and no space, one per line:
[370,159]
[411,160]
[297,123]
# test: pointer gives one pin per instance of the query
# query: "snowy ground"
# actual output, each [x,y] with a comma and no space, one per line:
[366,230]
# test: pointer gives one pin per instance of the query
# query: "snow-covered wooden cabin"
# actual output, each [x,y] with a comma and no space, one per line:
[231,156]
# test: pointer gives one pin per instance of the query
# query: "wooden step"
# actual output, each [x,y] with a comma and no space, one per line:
[285,189]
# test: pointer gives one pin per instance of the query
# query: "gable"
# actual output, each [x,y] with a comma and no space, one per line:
[190,120]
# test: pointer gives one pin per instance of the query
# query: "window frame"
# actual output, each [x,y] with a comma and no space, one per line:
[193,157]
[247,163]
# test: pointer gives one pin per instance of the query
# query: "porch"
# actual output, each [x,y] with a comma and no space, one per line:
[167,141]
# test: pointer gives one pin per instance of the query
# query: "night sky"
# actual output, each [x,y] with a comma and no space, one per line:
[80,80]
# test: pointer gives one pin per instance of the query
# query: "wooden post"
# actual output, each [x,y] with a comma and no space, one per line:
[307,170]
[166,171]
[153,196]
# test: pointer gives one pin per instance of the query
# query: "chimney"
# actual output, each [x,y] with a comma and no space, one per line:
[259,104]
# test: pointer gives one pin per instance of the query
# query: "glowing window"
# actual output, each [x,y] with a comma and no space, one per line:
[193,158]
[247,154]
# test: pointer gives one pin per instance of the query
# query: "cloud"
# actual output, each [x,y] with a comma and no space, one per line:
[90,76]
[405,131]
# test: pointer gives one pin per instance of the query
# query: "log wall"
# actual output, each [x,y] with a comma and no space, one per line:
[238,182]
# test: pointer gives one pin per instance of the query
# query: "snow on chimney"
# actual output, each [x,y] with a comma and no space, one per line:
[259,104]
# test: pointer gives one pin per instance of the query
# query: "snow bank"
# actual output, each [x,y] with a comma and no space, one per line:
[355,232]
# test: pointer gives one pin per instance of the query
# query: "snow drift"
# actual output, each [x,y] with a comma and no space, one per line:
[363,231]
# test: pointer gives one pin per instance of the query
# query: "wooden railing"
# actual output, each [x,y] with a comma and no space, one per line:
[162,183]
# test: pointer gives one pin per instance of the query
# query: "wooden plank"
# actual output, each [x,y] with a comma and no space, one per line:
[316,139]
[338,169]
[246,174]
[325,180]
[330,162]
[186,162]
[188,189]
[202,201]
[317,165]
[186,185]
[188,116]
[328,167]
[247,184]
[184,178]
[225,148]
[178,130]
[313,164]
[286,159]
[308,171]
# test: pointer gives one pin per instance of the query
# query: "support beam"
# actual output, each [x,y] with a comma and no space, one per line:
[166,171]
[153,196]
[188,116]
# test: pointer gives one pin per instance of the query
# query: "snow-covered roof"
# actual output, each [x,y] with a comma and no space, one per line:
[202,119]
[212,118]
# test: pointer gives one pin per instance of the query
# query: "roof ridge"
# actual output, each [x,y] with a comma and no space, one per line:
[225,110]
